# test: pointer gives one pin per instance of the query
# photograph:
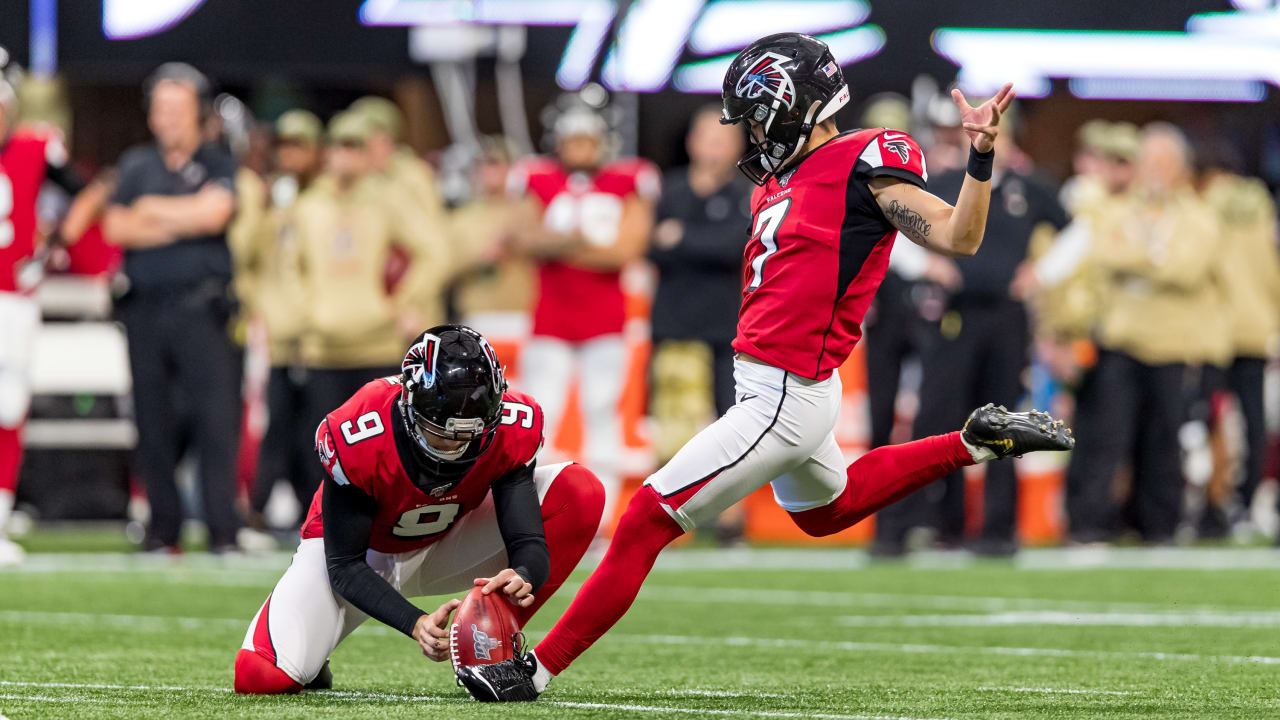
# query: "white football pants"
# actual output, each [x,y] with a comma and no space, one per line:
[780,430]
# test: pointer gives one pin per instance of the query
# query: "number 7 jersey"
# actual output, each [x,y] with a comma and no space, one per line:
[358,445]
[819,248]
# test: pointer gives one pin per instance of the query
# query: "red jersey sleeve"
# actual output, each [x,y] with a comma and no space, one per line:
[327,449]
[892,153]
[522,427]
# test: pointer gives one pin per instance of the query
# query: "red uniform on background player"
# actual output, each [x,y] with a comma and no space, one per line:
[430,482]
[584,220]
[27,158]
[826,215]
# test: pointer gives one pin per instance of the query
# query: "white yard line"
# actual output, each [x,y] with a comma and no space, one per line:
[1059,691]
[435,698]
[162,622]
[832,598]
[46,698]
[918,648]
[1251,619]
[755,559]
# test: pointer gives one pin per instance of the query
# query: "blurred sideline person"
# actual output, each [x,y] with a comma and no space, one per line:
[1251,268]
[410,180]
[583,219]
[1067,291]
[170,210]
[896,328]
[277,303]
[1155,247]
[28,157]
[703,223]
[347,225]
[493,290]
[981,346]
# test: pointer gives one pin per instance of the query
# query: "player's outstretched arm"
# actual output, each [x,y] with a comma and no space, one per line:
[929,221]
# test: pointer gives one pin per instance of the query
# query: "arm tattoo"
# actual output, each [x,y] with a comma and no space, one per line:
[910,222]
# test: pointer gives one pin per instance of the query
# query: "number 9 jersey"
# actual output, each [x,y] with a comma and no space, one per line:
[364,443]
[818,251]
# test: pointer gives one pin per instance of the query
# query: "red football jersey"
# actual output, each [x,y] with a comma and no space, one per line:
[356,445]
[818,251]
[24,160]
[576,303]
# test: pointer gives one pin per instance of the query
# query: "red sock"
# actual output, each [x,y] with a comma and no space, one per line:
[10,457]
[884,476]
[644,529]
[256,675]
[571,513]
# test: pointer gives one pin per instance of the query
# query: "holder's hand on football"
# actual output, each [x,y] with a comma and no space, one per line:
[982,123]
[517,589]
[432,631]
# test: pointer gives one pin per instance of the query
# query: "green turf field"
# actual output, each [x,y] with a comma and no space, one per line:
[803,635]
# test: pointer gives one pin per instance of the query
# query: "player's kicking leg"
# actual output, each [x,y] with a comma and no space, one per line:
[757,440]
[290,640]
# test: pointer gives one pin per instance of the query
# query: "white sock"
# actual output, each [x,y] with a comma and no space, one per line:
[6,509]
[979,454]
[541,675]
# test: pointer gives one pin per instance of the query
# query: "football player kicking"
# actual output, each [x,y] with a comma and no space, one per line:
[825,217]
[406,510]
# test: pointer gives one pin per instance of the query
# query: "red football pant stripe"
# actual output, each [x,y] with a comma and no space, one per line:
[571,514]
[882,477]
[10,457]
[262,633]
[877,479]
[256,670]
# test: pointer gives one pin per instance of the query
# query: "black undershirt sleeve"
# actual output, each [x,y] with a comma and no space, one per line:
[348,515]
[65,177]
[515,500]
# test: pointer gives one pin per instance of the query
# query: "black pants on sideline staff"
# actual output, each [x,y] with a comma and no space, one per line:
[1127,411]
[287,451]
[185,388]
[327,388]
[1246,381]
[978,357]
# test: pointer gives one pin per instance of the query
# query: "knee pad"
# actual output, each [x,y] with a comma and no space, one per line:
[256,675]
[579,491]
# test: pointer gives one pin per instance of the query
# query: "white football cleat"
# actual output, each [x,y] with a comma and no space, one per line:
[10,552]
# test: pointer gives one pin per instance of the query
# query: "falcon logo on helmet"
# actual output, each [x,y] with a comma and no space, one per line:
[420,362]
[768,75]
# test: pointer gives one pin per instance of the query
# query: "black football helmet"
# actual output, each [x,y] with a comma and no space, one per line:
[781,85]
[451,388]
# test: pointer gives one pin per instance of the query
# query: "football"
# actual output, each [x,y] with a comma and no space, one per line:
[483,631]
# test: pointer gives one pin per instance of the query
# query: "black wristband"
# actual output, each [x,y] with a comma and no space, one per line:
[980,163]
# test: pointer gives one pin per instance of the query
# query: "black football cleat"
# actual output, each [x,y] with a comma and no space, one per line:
[323,679]
[1007,433]
[506,681]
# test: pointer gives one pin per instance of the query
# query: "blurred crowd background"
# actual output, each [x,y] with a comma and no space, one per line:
[220,262]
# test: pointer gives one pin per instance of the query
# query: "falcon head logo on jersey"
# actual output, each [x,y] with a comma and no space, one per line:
[420,361]
[768,76]
[483,643]
[899,148]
